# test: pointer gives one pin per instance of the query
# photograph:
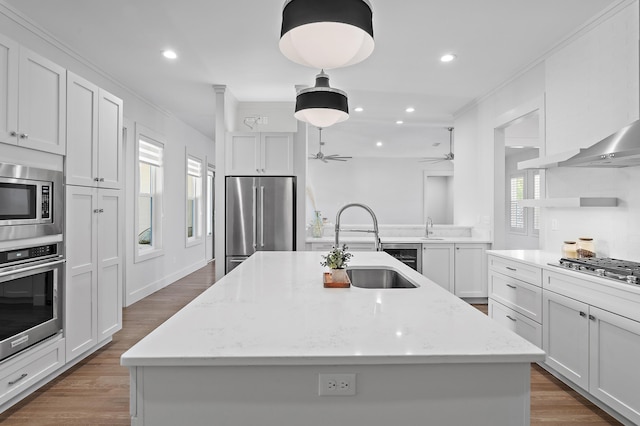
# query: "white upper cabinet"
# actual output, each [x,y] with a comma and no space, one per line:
[9,58]
[259,154]
[32,99]
[94,135]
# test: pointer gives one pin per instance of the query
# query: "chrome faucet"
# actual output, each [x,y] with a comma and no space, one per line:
[429,225]
[377,243]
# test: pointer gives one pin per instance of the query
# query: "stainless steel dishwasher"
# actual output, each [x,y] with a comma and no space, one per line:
[409,254]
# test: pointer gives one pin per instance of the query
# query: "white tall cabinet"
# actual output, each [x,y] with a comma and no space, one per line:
[94,216]
[32,99]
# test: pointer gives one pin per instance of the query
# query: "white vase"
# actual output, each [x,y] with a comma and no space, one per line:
[339,275]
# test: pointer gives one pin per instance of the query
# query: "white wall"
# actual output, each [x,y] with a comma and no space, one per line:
[145,277]
[393,188]
[589,63]
[474,176]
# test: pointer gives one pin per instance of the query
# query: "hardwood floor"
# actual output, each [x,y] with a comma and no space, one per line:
[96,391]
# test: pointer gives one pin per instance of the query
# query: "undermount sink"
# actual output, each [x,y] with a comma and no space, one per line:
[378,278]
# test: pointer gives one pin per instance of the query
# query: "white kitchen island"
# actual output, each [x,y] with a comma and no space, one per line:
[250,349]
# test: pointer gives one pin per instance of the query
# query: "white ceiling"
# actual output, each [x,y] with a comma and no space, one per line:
[235,42]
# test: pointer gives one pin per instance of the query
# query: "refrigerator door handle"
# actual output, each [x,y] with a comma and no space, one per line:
[261,216]
[255,220]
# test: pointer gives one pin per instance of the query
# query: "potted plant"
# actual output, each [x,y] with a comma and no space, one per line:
[337,260]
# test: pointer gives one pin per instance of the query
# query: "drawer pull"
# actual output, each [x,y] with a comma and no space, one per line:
[511,269]
[583,314]
[511,318]
[511,286]
[22,376]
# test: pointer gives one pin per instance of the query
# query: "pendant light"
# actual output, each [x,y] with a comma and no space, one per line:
[327,34]
[321,105]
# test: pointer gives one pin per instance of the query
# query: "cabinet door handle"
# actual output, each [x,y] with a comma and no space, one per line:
[512,318]
[258,170]
[511,286]
[22,376]
[510,268]
[23,136]
[96,210]
[583,314]
[97,179]
[101,179]
[592,318]
[12,133]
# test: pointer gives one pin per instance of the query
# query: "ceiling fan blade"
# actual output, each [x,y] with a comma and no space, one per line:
[337,159]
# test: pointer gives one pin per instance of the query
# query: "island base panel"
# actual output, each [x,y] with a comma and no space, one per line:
[443,394]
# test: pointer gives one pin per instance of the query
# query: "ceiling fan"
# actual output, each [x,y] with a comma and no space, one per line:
[446,157]
[321,156]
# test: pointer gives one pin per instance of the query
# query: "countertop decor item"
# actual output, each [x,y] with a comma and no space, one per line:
[337,260]
[570,250]
[328,34]
[316,224]
[586,248]
[330,283]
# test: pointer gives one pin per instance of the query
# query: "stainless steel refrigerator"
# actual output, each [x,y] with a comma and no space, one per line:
[260,216]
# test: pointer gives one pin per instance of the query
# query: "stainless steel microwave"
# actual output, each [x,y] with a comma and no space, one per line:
[31,202]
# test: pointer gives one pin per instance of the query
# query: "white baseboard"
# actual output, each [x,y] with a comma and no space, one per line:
[141,293]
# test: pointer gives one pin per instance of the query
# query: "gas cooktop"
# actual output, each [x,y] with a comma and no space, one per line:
[607,267]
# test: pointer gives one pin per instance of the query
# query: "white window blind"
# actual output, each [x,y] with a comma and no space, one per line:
[194,167]
[150,153]
[517,194]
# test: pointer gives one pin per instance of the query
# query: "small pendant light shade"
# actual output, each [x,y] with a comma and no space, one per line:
[321,105]
[326,34]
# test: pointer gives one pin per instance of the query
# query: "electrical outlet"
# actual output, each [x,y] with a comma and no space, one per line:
[554,224]
[336,384]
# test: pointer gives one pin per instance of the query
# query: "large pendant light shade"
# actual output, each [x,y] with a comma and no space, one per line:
[326,34]
[321,105]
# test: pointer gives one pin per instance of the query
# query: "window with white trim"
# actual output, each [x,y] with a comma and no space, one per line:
[149,184]
[194,206]
[524,220]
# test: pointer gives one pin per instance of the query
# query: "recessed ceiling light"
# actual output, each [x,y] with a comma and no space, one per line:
[410,109]
[169,54]
[358,109]
[378,143]
[399,122]
[447,57]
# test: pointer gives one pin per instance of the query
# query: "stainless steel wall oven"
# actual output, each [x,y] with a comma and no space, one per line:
[30,296]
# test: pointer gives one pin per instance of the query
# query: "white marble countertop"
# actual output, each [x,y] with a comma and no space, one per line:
[399,240]
[274,310]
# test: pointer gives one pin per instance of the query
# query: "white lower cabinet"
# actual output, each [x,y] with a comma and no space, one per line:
[566,337]
[34,364]
[515,297]
[438,264]
[470,270]
[614,376]
[93,296]
[591,345]
[458,268]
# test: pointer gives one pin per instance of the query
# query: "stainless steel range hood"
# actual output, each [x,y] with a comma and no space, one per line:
[621,149]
